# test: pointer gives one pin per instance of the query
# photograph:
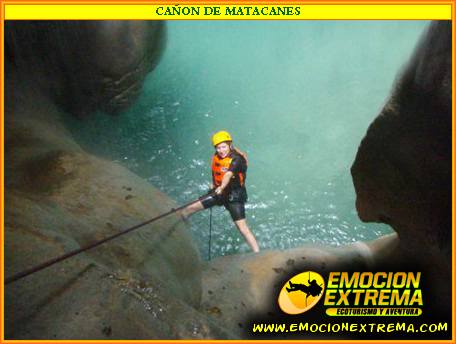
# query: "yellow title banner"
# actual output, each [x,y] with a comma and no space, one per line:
[228,11]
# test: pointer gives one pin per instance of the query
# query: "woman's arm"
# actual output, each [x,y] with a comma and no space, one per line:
[225,181]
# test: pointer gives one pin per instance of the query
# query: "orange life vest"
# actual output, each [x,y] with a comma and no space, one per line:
[220,167]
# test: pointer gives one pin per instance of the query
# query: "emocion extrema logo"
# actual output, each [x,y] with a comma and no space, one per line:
[301,292]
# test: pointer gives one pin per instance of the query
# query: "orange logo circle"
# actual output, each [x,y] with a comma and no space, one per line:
[301,292]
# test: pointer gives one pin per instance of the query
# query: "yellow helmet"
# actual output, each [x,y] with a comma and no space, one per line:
[220,137]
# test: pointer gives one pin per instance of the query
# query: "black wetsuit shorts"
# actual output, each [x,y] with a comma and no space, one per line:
[236,208]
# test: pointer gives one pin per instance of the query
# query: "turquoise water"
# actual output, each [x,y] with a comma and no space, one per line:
[296,96]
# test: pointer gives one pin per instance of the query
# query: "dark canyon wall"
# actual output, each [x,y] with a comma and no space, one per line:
[402,171]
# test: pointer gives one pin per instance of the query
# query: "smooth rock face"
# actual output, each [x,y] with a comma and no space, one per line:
[144,285]
[69,200]
[86,65]
[402,171]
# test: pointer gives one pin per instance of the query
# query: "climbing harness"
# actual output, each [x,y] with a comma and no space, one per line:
[88,247]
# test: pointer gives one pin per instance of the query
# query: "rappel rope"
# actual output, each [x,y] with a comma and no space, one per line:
[88,247]
[210,232]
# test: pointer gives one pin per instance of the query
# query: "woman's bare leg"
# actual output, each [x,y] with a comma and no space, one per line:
[248,235]
[191,209]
